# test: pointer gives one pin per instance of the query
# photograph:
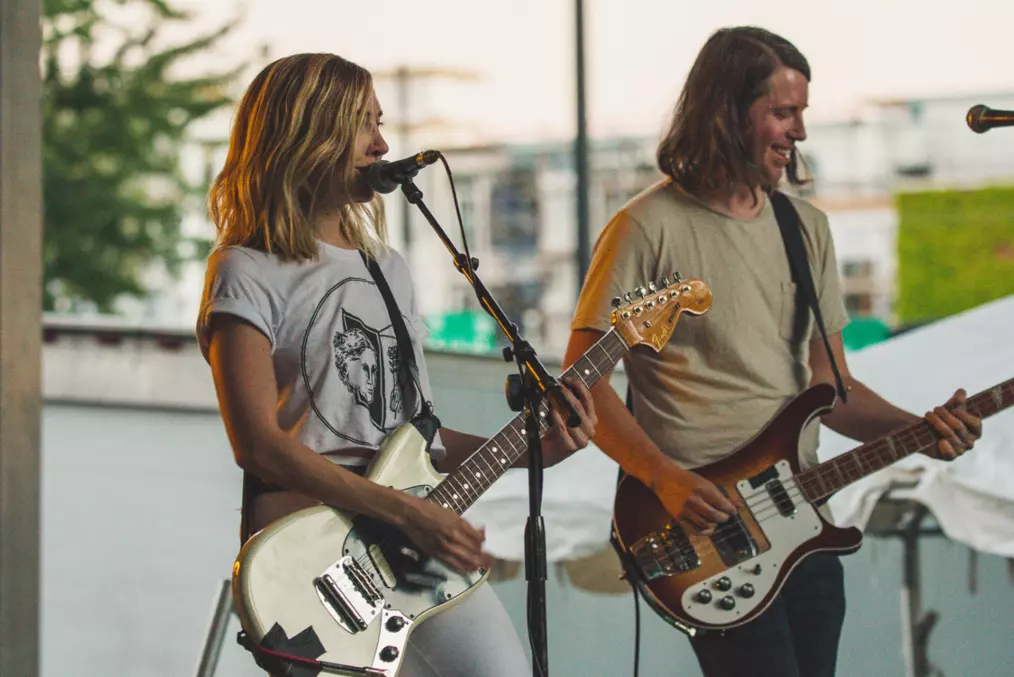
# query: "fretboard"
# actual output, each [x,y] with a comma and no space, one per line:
[460,489]
[825,479]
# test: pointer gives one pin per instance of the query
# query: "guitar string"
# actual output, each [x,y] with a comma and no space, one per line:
[620,348]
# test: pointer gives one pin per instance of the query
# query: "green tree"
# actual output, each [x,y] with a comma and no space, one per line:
[113,131]
[955,251]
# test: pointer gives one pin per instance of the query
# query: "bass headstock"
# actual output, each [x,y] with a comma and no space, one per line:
[648,315]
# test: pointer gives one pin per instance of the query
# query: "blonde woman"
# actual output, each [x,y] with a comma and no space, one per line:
[302,348]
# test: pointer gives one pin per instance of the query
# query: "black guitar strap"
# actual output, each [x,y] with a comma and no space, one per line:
[792,237]
[408,371]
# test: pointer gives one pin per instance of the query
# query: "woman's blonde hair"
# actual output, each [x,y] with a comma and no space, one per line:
[292,138]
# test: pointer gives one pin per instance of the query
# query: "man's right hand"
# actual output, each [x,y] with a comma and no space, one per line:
[441,533]
[690,498]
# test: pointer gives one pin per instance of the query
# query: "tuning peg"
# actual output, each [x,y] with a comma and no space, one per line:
[677,277]
[617,302]
[628,298]
[652,287]
[641,291]
[665,281]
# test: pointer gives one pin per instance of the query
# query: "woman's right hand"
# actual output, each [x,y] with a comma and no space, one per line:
[691,498]
[441,533]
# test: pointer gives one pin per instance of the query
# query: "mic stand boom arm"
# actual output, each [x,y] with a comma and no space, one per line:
[536,383]
[522,351]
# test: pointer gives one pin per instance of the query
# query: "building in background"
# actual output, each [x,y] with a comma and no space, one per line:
[518,209]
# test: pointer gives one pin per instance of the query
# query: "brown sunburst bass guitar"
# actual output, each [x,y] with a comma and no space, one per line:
[727,578]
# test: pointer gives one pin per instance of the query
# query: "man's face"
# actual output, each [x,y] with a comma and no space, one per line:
[776,119]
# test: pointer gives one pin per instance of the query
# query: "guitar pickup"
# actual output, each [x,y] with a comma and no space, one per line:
[349,594]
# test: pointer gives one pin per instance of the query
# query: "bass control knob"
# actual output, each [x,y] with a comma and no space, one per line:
[723,584]
[728,603]
[389,654]
[746,590]
[704,596]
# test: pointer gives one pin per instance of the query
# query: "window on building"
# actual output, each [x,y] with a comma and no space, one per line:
[859,304]
[514,217]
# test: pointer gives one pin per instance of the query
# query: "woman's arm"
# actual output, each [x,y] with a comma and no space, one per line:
[240,358]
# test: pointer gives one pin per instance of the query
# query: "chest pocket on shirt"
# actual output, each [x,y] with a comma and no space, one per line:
[794,322]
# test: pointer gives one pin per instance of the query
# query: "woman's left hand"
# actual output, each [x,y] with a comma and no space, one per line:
[958,430]
[559,442]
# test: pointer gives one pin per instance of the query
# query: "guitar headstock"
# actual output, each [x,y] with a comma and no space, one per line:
[647,316]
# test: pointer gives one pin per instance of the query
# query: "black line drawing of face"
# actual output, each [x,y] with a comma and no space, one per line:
[356,360]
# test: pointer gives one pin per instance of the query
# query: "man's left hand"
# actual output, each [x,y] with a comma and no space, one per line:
[958,430]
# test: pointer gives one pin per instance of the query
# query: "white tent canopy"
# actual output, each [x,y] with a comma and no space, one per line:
[972,498]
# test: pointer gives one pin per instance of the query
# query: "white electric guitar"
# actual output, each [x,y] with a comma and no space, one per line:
[330,591]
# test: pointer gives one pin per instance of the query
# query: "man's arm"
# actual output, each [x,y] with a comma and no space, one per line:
[867,416]
[684,494]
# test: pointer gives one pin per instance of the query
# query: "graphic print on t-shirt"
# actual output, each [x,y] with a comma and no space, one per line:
[358,359]
[351,344]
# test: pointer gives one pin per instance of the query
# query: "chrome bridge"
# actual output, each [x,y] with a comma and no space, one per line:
[349,595]
[665,552]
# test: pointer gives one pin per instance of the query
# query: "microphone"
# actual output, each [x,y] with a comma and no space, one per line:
[385,177]
[982,119]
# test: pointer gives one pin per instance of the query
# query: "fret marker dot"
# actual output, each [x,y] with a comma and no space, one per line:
[454,496]
[478,474]
[466,485]
[504,461]
[494,449]
[447,506]
[587,372]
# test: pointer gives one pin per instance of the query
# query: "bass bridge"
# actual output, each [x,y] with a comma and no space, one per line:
[665,552]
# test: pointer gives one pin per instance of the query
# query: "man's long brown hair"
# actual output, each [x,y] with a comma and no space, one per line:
[292,138]
[709,143]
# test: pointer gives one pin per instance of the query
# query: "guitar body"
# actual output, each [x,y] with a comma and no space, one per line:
[730,577]
[315,571]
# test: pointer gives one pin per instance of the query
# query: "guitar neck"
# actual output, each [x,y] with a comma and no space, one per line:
[825,479]
[460,489]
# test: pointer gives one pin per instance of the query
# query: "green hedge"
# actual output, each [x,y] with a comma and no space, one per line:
[955,251]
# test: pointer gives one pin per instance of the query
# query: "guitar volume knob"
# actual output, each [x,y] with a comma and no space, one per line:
[728,603]
[395,623]
[389,654]
[704,596]
[746,590]
[723,584]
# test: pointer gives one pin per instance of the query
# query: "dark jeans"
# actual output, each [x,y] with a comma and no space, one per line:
[796,637]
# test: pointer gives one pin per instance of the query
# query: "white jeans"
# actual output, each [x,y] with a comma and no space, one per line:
[474,639]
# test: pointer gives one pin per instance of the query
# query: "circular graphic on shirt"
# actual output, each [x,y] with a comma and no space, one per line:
[350,364]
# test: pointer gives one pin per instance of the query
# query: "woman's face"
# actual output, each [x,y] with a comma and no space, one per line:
[369,146]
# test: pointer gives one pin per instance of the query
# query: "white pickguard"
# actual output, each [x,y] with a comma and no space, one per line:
[784,534]
[273,578]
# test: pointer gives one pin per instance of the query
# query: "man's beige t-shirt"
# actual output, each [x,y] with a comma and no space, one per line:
[723,375]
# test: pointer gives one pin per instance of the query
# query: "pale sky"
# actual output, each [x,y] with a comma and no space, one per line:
[638,52]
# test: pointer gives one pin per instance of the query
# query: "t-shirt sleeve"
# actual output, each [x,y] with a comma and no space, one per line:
[235,284]
[622,260]
[828,284]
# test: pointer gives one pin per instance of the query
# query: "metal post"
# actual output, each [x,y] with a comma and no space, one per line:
[581,156]
[915,626]
[402,83]
[214,638]
[20,334]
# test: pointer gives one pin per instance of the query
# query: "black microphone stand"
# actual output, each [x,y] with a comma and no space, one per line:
[534,384]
